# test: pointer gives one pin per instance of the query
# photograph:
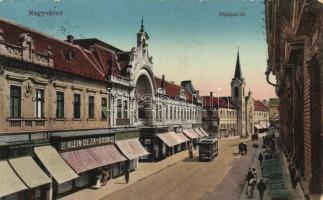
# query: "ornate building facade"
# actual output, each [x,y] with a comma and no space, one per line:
[79,108]
[295,46]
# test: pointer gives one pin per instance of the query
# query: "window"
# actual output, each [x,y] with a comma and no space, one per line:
[77,106]
[236,92]
[160,112]
[175,112]
[91,107]
[166,111]
[119,108]
[59,105]
[125,109]
[156,110]
[15,101]
[104,108]
[171,112]
[39,103]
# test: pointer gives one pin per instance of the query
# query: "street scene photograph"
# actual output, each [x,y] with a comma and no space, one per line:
[161,100]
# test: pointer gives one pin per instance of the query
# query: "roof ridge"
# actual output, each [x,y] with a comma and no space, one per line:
[12,22]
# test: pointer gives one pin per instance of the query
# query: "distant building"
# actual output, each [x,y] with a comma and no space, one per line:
[236,115]
[274,112]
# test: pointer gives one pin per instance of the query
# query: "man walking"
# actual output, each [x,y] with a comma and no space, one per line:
[260,158]
[126,176]
[261,188]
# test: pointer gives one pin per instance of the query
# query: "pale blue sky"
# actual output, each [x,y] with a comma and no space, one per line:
[188,38]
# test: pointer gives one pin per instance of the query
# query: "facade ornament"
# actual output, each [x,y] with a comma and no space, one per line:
[29,86]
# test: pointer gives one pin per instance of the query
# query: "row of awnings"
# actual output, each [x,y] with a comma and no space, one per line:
[172,138]
[19,174]
[23,173]
[262,125]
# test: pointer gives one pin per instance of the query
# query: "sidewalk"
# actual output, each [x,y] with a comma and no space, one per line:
[144,170]
[256,165]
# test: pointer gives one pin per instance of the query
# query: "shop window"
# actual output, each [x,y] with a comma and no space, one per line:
[15,101]
[60,105]
[77,106]
[91,107]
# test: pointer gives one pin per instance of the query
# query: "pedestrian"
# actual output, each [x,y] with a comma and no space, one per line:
[251,187]
[190,152]
[261,188]
[126,176]
[260,158]
[254,172]
[249,175]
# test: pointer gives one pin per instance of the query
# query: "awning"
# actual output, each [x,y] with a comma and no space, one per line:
[258,126]
[131,148]
[199,132]
[170,138]
[9,181]
[190,134]
[55,164]
[183,137]
[29,171]
[86,159]
[204,132]
[264,124]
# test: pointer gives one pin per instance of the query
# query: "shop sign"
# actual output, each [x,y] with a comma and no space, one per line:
[84,142]
[40,136]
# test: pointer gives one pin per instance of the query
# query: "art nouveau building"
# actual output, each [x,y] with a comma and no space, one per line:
[295,46]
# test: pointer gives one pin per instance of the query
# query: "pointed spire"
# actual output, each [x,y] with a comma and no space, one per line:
[237,73]
[142,24]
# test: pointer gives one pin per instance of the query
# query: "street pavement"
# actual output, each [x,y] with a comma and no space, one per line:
[220,179]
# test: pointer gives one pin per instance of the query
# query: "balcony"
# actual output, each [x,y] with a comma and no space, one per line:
[26,123]
[123,122]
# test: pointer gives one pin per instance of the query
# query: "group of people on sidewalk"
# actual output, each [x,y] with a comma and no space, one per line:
[252,173]
[252,182]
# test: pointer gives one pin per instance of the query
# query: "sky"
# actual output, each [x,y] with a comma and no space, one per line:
[189,39]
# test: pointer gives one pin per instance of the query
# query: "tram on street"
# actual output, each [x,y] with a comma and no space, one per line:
[208,149]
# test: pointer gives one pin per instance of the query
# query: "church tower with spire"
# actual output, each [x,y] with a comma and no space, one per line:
[238,97]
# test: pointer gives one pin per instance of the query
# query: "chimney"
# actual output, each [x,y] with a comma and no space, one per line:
[70,39]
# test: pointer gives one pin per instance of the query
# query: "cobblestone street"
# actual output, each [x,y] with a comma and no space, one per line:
[195,180]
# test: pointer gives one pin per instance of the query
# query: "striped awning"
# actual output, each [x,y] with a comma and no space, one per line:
[9,181]
[29,171]
[183,137]
[131,148]
[258,126]
[191,134]
[170,138]
[86,159]
[199,132]
[55,164]
[204,132]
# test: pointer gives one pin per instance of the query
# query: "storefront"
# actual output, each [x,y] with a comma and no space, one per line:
[192,135]
[132,150]
[21,178]
[62,174]
[170,143]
